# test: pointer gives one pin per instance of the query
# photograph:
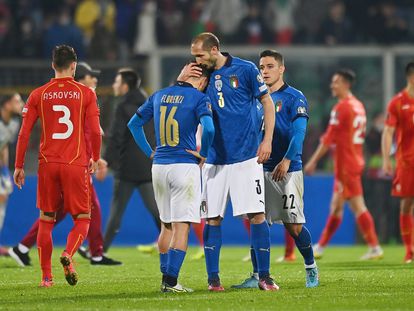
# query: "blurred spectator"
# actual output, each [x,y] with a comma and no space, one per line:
[88,12]
[252,28]
[103,45]
[146,37]
[224,17]
[63,31]
[170,23]
[28,44]
[197,26]
[126,25]
[7,35]
[373,145]
[279,15]
[337,27]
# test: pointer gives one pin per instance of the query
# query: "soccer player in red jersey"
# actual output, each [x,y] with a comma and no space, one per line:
[68,113]
[20,253]
[400,121]
[346,134]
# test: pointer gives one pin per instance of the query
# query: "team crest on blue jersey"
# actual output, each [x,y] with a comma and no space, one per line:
[218,84]
[301,109]
[278,106]
[234,81]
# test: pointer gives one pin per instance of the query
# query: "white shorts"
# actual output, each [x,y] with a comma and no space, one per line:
[242,182]
[284,199]
[177,189]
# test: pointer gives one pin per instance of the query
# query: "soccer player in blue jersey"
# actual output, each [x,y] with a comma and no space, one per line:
[176,176]
[283,170]
[234,163]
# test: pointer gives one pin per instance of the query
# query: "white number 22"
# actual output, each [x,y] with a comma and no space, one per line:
[360,127]
[63,120]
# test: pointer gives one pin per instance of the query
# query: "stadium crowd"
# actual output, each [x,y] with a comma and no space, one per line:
[118,29]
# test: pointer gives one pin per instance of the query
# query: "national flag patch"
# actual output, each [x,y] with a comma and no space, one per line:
[278,106]
[234,82]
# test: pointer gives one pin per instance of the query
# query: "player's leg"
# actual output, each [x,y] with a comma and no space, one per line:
[215,198]
[122,193]
[332,224]
[366,226]
[147,194]
[20,252]
[49,200]
[246,225]
[406,226]
[247,192]
[198,231]
[164,241]
[3,204]
[76,185]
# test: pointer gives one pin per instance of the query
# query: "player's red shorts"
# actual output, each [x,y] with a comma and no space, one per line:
[403,183]
[348,185]
[57,181]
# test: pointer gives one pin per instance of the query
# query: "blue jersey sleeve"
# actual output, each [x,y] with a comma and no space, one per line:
[146,111]
[203,107]
[299,108]
[135,125]
[296,142]
[208,134]
[256,82]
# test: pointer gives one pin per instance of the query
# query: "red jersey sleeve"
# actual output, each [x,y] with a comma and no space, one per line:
[392,113]
[92,127]
[339,120]
[30,116]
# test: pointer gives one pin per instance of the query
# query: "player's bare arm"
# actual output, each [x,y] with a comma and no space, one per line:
[189,70]
[265,148]
[310,167]
[386,142]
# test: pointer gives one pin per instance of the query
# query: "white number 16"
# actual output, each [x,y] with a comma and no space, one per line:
[63,120]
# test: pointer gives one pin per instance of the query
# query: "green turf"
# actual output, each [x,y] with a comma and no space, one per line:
[346,284]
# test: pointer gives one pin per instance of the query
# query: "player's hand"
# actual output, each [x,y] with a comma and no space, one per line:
[102,171]
[387,167]
[310,168]
[202,160]
[280,171]
[93,166]
[18,177]
[264,151]
[189,70]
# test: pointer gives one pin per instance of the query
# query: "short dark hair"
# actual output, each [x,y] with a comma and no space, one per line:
[272,53]
[5,98]
[347,74]
[208,39]
[409,69]
[63,56]
[130,77]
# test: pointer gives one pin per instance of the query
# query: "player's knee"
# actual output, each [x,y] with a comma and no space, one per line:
[81,216]
[256,218]
[294,229]
[216,221]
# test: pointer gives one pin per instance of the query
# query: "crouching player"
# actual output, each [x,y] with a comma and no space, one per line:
[176,177]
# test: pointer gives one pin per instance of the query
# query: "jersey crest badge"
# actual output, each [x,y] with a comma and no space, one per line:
[234,82]
[301,109]
[218,84]
[278,106]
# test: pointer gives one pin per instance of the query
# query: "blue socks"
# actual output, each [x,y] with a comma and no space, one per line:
[163,263]
[175,258]
[260,237]
[212,246]
[253,258]
[304,244]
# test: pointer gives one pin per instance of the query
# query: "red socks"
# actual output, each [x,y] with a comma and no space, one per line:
[198,230]
[77,235]
[45,247]
[406,229]
[331,226]
[289,244]
[367,227]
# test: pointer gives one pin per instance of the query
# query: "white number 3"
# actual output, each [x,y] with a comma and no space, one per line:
[63,120]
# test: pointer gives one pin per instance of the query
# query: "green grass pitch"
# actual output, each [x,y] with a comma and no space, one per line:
[346,284]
